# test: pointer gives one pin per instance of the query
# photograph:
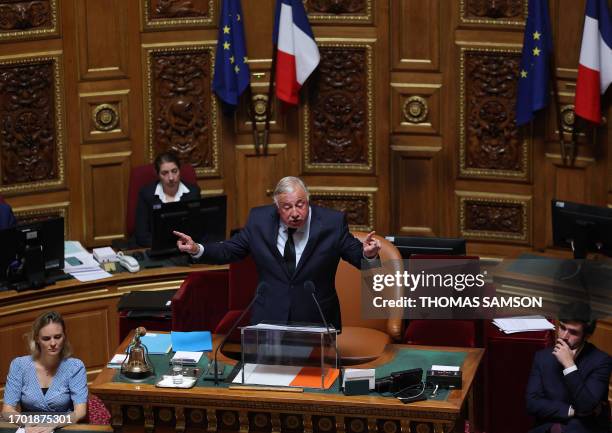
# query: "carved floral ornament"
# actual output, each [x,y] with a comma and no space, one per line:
[415,109]
[105,117]
[178,13]
[339,10]
[27,19]
[500,12]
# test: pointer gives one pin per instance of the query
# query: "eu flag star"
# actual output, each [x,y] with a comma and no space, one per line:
[231,59]
[245,59]
[226,45]
[237,17]
[536,35]
[536,51]
[226,30]
[236,68]
[523,74]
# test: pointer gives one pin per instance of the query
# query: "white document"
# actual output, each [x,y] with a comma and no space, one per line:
[116,360]
[187,356]
[359,374]
[268,326]
[72,247]
[445,367]
[272,375]
[510,325]
[91,275]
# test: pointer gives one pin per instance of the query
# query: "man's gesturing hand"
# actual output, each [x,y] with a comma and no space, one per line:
[185,244]
[371,246]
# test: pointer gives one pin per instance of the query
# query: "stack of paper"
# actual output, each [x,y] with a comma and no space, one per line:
[80,264]
[116,360]
[511,325]
[286,375]
[188,358]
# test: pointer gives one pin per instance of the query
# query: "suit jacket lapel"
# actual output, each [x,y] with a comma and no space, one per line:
[313,236]
[272,237]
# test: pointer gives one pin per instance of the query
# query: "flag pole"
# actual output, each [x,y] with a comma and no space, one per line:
[251,113]
[270,96]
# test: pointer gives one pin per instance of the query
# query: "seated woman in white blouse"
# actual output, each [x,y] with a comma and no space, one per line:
[48,380]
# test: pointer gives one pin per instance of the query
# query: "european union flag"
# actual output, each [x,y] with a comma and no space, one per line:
[232,74]
[534,71]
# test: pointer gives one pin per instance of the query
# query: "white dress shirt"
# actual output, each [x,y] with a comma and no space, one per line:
[159,191]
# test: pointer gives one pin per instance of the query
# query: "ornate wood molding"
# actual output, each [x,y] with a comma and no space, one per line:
[32,119]
[176,14]
[490,143]
[357,203]
[29,214]
[495,12]
[181,110]
[28,19]
[338,120]
[498,217]
[339,11]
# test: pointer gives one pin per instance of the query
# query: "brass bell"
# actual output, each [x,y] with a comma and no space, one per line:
[137,364]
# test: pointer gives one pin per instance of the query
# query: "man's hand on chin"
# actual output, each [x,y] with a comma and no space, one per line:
[371,246]
[563,353]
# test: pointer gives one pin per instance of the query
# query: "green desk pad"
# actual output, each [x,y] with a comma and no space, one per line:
[404,359]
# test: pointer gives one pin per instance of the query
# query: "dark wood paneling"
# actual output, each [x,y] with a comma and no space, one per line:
[415,34]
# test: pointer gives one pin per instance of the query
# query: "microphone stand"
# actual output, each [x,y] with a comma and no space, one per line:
[258,292]
[311,286]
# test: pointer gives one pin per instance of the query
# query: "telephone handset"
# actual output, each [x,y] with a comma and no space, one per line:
[128,262]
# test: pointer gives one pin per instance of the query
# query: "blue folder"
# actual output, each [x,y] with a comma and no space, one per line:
[194,341]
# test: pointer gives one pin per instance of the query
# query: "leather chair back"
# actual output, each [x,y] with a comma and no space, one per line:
[141,176]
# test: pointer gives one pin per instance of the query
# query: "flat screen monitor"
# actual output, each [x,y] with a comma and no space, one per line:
[411,245]
[582,228]
[31,252]
[203,219]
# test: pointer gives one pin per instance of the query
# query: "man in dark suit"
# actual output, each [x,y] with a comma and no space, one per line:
[291,242]
[568,385]
[7,219]
[167,188]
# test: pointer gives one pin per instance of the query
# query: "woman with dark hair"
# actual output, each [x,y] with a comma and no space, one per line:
[48,380]
[167,188]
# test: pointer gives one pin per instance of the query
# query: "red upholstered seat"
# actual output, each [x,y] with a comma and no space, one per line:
[213,300]
[141,176]
[97,413]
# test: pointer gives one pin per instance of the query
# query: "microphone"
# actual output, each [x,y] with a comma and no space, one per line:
[309,285]
[258,292]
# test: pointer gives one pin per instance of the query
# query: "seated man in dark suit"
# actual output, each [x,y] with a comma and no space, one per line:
[567,390]
[7,219]
[168,188]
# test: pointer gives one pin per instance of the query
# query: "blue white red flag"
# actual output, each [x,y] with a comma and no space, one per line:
[595,67]
[297,52]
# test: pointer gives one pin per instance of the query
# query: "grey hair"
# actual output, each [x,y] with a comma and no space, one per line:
[288,184]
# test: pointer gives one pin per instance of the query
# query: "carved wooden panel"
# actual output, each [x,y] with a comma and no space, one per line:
[104,116]
[182,112]
[105,181]
[415,34]
[31,115]
[27,19]
[256,177]
[499,217]
[491,145]
[338,118]
[415,108]
[35,213]
[357,205]
[494,11]
[103,27]
[177,13]
[415,181]
[344,11]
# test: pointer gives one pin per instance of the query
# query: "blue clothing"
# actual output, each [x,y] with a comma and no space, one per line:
[550,393]
[284,299]
[7,219]
[68,387]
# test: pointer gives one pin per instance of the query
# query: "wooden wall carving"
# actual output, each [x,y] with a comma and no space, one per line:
[498,217]
[182,110]
[494,11]
[27,18]
[339,10]
[31,214]
[177,13]
[491,145]
[358,206]
[31,118]
[338,118]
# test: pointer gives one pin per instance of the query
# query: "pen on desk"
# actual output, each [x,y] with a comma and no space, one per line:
[184,360]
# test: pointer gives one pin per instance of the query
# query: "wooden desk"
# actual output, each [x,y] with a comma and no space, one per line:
[89,309]
[136,406]
[74,428]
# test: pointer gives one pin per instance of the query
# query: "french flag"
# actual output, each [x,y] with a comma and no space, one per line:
[595,68]
[297,54]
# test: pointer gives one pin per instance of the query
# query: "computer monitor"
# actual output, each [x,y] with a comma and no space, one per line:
[31,252]
[203,219]
[582,228]
[410,245]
